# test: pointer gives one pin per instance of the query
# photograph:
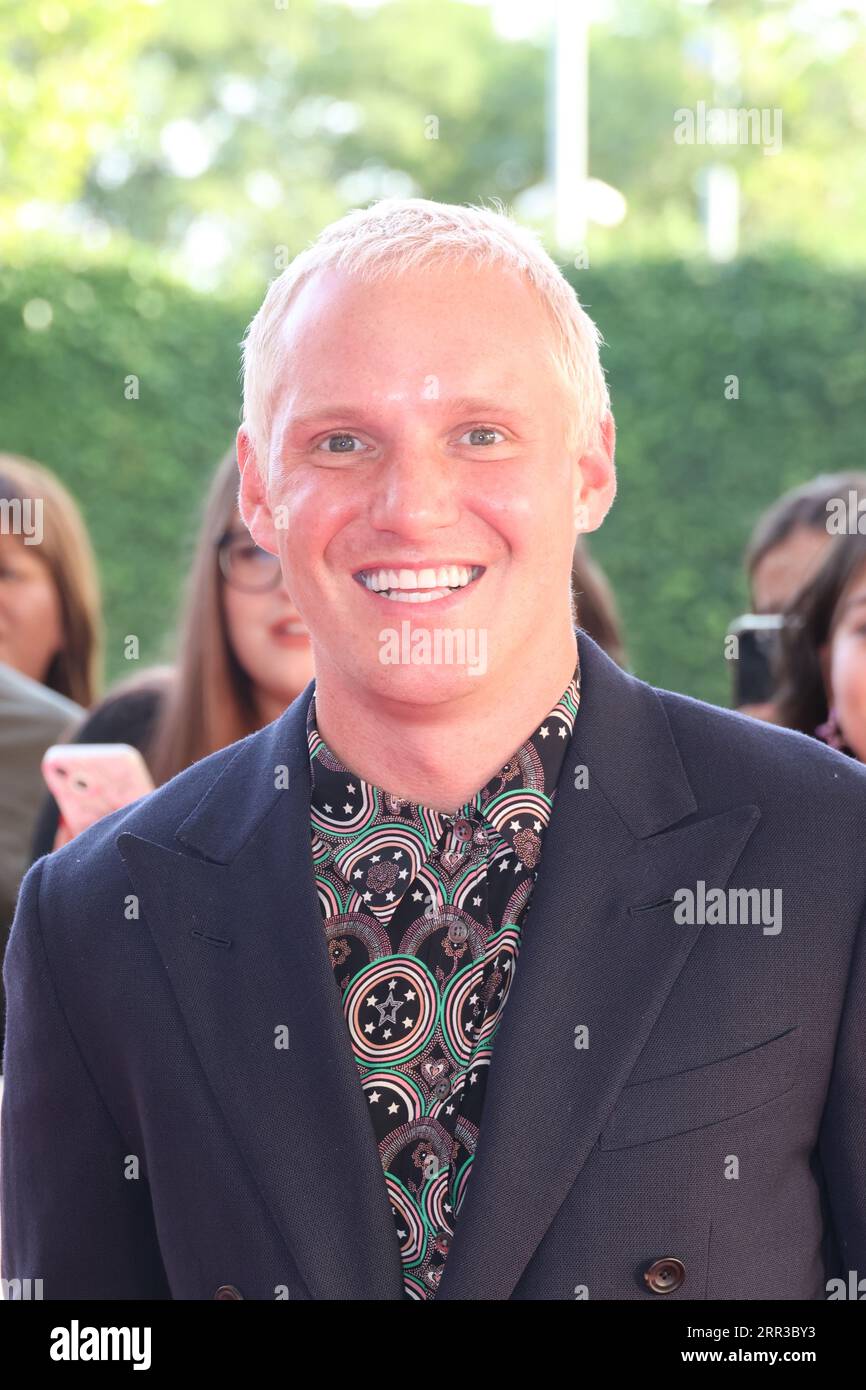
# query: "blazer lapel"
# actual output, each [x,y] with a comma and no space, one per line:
[239,930]
[586,960]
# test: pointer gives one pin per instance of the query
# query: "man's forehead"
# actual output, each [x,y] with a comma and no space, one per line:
[331,294]
[334,363]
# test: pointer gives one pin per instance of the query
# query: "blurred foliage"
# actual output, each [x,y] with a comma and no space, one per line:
[695,469]
[217,134]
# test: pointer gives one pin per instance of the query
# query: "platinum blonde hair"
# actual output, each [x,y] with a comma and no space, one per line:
[400,234]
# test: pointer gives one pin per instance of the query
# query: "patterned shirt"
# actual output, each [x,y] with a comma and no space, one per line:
[423,913]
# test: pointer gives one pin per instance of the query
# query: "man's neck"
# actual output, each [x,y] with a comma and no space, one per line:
[440,755]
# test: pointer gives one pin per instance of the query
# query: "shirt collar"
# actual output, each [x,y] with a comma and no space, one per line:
[534,767]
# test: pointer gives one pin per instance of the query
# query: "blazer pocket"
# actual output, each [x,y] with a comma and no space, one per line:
[688,1100]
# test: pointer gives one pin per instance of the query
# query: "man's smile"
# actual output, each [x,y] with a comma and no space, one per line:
[425,584]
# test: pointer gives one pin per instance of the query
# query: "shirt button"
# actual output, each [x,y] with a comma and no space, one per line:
[458,932]
[463,829]
[442,1089]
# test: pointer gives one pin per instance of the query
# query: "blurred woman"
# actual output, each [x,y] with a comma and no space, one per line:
[50,625]
[823,657]
[790,538]
[243,656]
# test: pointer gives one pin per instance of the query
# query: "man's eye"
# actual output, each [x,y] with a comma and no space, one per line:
[485,432]
[339,443]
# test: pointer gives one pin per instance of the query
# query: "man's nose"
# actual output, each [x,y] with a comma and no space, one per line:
[416,491]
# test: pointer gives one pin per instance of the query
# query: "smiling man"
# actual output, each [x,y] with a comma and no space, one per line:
[396,998]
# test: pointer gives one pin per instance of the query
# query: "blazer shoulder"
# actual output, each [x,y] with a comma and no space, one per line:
[737,747]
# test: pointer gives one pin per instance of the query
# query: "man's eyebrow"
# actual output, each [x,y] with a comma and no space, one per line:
[483,405]
[456,405]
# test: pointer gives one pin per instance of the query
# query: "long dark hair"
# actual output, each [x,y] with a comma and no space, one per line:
[804,506]
[802,699]
[210,702]
[593,604]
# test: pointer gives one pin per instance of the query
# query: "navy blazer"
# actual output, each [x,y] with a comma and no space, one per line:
[673,1109]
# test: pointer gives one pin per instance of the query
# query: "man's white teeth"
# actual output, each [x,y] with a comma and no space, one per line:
[420,586]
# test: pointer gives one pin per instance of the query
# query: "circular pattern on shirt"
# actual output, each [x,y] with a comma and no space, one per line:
[469,893]
[345,808]
[410,1226]
[390,1008]
[435,1201]
[517,902]
[527,766]
[414,1287]
[356,926]
[475,998]
[456,927]
[381,865]
[396,1094]
[460,1184]
[524,813]
[430,1143]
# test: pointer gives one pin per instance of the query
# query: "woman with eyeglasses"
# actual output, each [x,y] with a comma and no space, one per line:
[243,655]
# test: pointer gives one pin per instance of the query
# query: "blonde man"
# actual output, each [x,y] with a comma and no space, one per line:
[487,971]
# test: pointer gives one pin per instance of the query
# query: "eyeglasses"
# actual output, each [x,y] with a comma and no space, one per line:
[246,565]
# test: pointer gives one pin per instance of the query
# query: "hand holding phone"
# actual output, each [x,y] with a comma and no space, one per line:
[89,780]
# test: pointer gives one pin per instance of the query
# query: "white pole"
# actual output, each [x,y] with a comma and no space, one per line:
[570,122]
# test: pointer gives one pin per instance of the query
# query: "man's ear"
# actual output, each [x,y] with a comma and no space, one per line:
[253,497]
[596,479]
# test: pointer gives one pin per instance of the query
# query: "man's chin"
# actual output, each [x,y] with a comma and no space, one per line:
[426,683]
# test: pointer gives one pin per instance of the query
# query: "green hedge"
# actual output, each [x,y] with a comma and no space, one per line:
[139,468]
[695,469]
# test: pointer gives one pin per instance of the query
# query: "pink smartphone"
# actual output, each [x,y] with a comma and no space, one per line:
[88,780]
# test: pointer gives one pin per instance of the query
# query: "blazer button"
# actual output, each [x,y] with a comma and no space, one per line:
[665,1276]
[228,1291]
